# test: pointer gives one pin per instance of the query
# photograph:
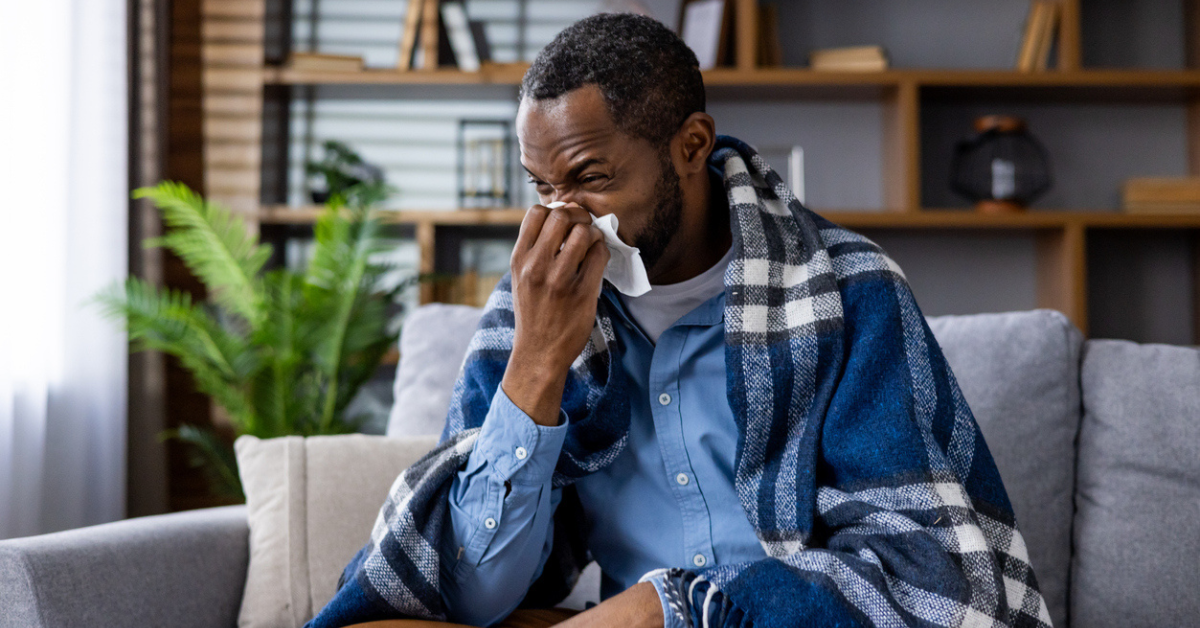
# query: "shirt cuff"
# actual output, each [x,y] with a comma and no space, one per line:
[672,617]
[517,448]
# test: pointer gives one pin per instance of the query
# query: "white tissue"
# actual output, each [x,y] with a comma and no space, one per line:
[625,270]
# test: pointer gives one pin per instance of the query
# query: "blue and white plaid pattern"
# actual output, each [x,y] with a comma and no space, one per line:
[858,464]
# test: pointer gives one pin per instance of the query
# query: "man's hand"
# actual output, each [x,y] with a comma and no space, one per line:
[557,269]
[635,607]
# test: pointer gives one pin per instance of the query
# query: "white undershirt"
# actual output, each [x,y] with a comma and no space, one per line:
[658,309]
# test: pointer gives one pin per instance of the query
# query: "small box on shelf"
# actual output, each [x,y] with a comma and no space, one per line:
[849,59]
[320,62]
[1162,195]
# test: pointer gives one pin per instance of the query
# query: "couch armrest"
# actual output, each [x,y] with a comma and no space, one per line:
[181,569]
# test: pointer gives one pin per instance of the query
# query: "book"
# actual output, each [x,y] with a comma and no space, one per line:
[1161,195]
[1049,28]
[482,48]
[429,34]
[445,51]
[704,25]
[408,37]
[770,51]
[319,62]
[454,15]
[1026,56]
[851,59]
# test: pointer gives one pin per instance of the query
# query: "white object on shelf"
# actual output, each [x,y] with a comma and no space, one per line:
[701,30]
[454,15]
[796,172]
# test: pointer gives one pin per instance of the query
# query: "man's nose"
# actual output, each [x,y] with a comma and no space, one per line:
[566,196]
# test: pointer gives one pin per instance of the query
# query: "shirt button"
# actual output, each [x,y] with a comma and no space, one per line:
[664,399]
[699,560]
[520,453]
[490,523]
[682,478]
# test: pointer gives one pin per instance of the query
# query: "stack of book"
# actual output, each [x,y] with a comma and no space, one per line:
[1041,26]
[318,62]
[1162,195]
[852,59]
[438,33]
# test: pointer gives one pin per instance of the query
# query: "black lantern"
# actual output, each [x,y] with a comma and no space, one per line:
[1003,168]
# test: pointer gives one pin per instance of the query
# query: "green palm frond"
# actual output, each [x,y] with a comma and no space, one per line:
[213,455]
[214,245]
[340,266]
[282,352]
[284,336]
[168,321]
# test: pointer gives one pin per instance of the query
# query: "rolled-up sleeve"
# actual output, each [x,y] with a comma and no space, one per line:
[502,508]
[671,617]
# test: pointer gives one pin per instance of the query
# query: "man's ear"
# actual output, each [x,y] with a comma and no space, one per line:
[695,140]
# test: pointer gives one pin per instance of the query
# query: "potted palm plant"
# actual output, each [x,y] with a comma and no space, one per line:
[282,352]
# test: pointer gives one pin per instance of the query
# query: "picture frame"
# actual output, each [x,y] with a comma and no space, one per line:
[706,26]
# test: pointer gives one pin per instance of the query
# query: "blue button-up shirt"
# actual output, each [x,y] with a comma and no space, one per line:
[668,500]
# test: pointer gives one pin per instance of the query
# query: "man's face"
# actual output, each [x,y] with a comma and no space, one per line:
[574,152]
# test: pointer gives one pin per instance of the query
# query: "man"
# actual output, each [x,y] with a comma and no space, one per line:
[770,436]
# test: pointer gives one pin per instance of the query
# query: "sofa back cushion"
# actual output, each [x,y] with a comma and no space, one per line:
[1137,548]
[1019,372]
[312,503]
[433,344]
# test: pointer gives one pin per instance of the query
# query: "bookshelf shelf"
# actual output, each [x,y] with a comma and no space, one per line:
[924,219]
[511,74]
[508,74]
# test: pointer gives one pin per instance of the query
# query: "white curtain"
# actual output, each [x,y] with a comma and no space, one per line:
[63,191]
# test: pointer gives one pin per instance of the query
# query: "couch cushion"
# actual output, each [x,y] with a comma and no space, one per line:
[1020,374]
[1137,558]
[433,344]
[312,503]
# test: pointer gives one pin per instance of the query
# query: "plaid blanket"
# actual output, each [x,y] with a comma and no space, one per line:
[858,462]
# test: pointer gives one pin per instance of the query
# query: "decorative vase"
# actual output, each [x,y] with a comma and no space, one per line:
[1002,168]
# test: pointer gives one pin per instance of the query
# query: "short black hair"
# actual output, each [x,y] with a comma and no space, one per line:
[650,79]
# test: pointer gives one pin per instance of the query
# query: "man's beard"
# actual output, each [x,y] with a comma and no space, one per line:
[665,217]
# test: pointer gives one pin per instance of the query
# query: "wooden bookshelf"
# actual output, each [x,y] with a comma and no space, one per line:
[236,76]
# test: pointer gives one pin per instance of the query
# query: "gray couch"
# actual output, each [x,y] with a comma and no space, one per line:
[1098,443]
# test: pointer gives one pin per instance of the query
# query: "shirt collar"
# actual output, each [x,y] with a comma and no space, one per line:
[707,314]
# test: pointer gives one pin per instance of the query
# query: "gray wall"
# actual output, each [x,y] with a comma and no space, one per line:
[842,151]
[964,272]
[916,33]
[1140,285]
